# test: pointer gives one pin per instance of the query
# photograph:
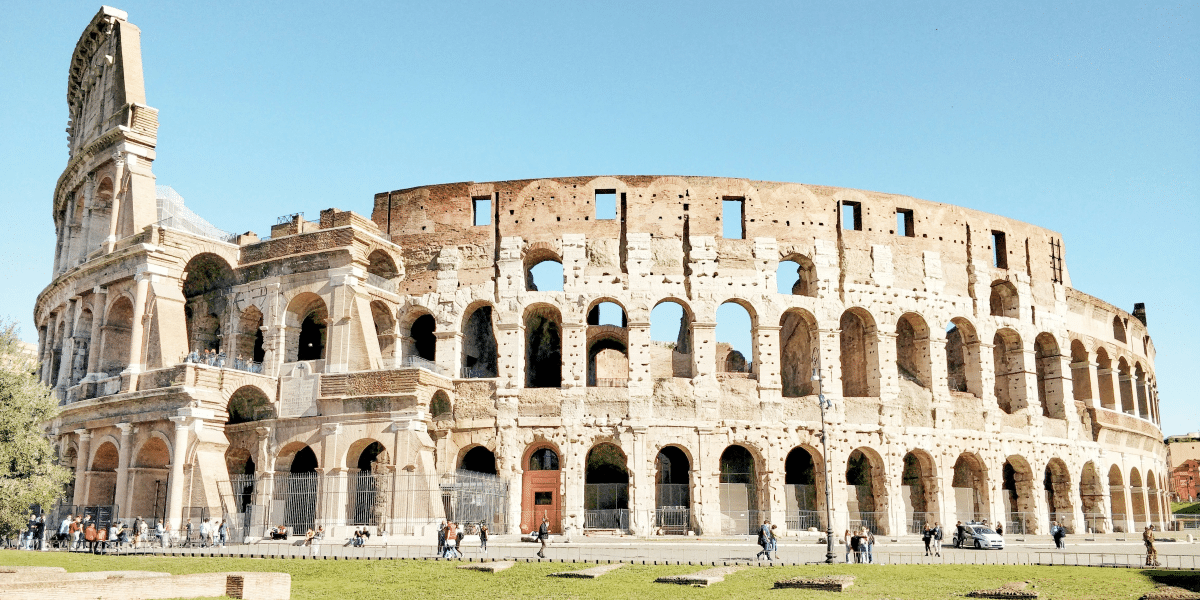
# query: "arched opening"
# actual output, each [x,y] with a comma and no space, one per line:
[479,355]
[804,490]
[544,276]
[797,341]
[439,405]
[1091,498]
[241,468]
[250,338]
[1057,490]
[1004,300]
[867,502]
[1125,380]
[118,322]
[970,489]
[859,354]
[736,350]
[1009,364]
[57,357]
[964,372]
[83,344]
[912,350]
[739,492]
[385,333]
[607,339]
[1081,383]
[380,264]
[1139,387]
[1137,497]
[1116,499]
[797,276]
[541,489]
[606,489]
[309,316]
[1018,496]
[370,485]
[248,403]
[296,485]
[148,480]
[1048,363]
[206,282]
[671,337]
[672,491]
[1104,378]
[1118,330]
[1153,499]
[424,340]
[918,490]
[479,460]
[102,477]
[543,347]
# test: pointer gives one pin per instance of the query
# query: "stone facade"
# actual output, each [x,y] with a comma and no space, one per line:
[967,378]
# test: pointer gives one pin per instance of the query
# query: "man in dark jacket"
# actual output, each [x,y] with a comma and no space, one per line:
[543,536]
[764,539]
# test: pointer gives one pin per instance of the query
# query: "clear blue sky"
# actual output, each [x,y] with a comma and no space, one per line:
[1081,117]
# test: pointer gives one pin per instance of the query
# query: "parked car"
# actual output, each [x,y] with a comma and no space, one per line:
[975,535]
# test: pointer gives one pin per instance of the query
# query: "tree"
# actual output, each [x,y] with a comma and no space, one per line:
[29,473]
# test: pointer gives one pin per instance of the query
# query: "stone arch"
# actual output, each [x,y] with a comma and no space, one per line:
[367,455]
[417,332]
[729,316]
[970,487]
[1091,498]
[1004,300]
[859,354]
[296,457]
[1104,378]
[206,282]
[478,459]
[479,351]
[797,275]
[83,345]
[738,490]
[672,489]
[102,475]
[250,335]
[543,346]
[607,344]
[1019,505]
[1057,484]
[381,264]
[866,482]
[606,488]
[118,324]
[912,350]
[1125,382]
[919,491]
[541,486]
[964,366]
[385,331]
[296,481]
[249,403]
[1137,496]
[1139,388]
[1081,366]
[440,405]
[543,263]
[307,318]
[1116,494]
[148,478]
[1153,499]
[798,333]
[1048,366]
[671,357]
[1009,363]
[1118,330]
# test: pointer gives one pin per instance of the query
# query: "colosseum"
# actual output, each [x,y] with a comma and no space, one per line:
[451,356]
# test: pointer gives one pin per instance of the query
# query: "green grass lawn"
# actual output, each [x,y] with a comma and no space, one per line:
[1185,508]
[380,580]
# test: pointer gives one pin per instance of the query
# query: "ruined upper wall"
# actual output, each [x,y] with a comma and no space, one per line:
[427,218]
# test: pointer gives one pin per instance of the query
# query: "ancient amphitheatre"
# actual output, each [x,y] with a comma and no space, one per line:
[395,369]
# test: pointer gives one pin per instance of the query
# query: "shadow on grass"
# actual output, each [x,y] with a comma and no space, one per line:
[1187,581]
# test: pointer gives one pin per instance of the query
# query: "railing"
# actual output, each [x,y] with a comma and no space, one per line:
[870,520]
[673,520]
[220,361]
[1185,522]
[609,518]
[476,373]
[611,382]
[416,362]
[1094,522]
[382,283]
[1057,558]
[1118,521]
[742,522]
[1019,523]
[918,520]
[802,520]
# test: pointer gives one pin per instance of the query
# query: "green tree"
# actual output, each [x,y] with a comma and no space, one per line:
[29,473]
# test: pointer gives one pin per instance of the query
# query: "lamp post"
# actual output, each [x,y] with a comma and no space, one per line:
[823,403]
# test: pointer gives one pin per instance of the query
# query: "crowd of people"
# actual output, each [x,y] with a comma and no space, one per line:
[213,358]
[450,536]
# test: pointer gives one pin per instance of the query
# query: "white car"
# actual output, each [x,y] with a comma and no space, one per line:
[982,537]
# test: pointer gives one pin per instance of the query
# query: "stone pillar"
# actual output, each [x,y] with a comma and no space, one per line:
[82,454]
[63,377]
[175,483]
[99,306]
[136,345]
[766,363]
[704,349]
[123,458]
[88,200]
[1093,397]
[115,216]
[510,343]
[338,330]
[331,505]
[574,354]
[706,478]
[641,484]
[641,382]
[889,372]
[448,353]
[1123,380]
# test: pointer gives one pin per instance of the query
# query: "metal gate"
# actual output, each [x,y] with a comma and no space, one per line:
[470,497]
[672,512]
[606,506]
[368,498]
[295,501]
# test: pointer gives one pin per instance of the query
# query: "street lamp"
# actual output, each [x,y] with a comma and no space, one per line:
[824,404]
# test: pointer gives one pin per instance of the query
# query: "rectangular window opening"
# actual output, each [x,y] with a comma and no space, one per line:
[852,216]
[606,204]
[904,222]
[999,250]
[543,498]
[482,206]
[733,218]
[1056,266]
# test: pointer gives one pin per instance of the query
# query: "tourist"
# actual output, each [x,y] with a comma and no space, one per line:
[1058,532]
[773,545]
[114,534]
[160,534]
[187,538]
[204,533]
[848,540]
[764,536]
[73,532]
[64,530]
[89,536]
[869,543]
[451,544]
[223,531]
[937,539]
[999,529]
[139,532]
[927,537]
[320,535]
[856,547]
[483,537]
[543,536]
[308,536]
[441,538]
[1151,552]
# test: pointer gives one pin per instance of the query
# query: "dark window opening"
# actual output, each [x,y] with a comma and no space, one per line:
[424,340]
[312,338]
[543,459]
[482,207]
[439,405]
[733,215]
[852,216]
[999,250]
[479,460]
[904,222]
[606,204]
[543,498]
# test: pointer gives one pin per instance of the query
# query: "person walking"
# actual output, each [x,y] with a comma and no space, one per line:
[441,538]
[308,536]
[223,532]
[869,539]
[927,537]
[483,537]
[773,553]
[543,536]
[451,540]
[764,537]
[1059,532]
[1151,552]
[73,531]
[937,539]
[847,539]
[856,547]
[187,539]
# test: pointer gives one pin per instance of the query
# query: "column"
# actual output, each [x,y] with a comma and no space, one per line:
[179,446]
[127,431]
[88,196]
[641,485]
[115,213]
[641,382]
[448,353]
[1127,490]
[62,379]
[99,304]
[82,454]
[574,354]
[136,349]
